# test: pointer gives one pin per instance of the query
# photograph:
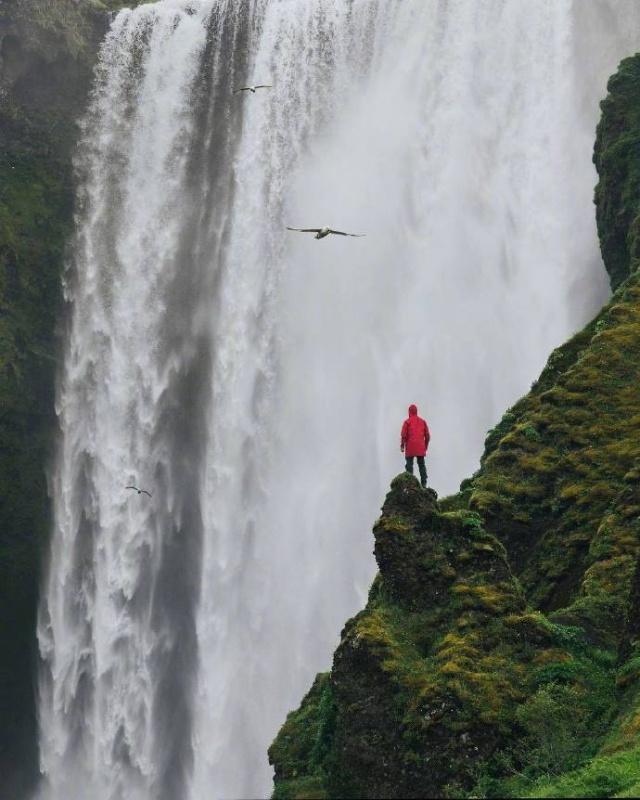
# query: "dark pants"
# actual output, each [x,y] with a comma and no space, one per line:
[423,470]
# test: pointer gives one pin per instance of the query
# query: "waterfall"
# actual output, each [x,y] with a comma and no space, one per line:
[254,380]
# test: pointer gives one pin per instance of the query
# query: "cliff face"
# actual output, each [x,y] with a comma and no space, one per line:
[499,651]
[438,672]
[617,195]
[47,51]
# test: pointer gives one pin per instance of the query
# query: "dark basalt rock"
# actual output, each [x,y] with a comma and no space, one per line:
[427,678]
[617,194]
[418,550]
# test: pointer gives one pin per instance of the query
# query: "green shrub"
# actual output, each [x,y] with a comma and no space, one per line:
[556,724]
[606,776]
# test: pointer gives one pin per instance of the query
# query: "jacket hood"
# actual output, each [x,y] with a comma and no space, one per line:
[413,410]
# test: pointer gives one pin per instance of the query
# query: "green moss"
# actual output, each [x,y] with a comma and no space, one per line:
[605,776]
[617,195]
[629,672]
[554,486]
[302,745]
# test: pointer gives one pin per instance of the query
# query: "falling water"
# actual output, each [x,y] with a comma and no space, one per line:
[254,380]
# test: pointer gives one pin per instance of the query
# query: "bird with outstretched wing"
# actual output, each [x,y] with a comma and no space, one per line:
[253,88]
[320,233]
[140,491]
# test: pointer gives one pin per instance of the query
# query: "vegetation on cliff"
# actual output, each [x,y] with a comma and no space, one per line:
[617,195]
[448,679]
[499,652]
[35,208]
[46,55]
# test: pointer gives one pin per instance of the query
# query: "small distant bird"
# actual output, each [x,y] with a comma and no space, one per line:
[320,233]
[253,88]
[140,491]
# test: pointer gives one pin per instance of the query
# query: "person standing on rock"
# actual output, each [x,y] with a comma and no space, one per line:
[414,441]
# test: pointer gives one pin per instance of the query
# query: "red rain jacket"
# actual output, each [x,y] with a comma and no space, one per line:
[415,435]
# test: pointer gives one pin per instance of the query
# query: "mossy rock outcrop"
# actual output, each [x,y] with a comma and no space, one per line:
[427,680]
[617,195]
[558,486]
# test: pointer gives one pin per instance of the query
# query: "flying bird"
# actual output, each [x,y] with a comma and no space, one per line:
[320,233]
[140,491]
[253,88]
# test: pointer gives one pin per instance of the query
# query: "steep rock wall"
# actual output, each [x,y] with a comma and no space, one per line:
[617,194]
[445,673]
